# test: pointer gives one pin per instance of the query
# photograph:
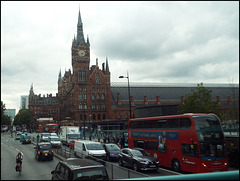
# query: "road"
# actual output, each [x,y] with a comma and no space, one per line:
[32,169]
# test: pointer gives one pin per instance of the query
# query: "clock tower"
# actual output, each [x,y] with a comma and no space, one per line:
[80,49]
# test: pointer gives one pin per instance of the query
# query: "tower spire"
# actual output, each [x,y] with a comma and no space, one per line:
[31,90]
[80,36]
[59,75]
[79,18]
[107,67]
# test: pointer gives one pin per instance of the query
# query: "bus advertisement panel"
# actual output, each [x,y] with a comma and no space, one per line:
[189,142]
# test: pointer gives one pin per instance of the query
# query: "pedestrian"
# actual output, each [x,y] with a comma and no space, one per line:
[37,138]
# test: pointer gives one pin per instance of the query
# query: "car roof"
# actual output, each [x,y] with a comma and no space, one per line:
[44,143]
[132,149]
[77,163]
[87,141]
[110,144]
[53,137]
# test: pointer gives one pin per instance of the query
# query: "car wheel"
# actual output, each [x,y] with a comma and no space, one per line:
[75,154]
[176,165]
[120,161]
[38,159]
[135,166]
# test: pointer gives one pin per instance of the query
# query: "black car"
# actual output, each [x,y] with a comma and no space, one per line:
[79,169]
[138,159]
[43,151]
[26,139]
[112,151]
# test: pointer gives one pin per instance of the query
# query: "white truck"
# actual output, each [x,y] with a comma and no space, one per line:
[69,133]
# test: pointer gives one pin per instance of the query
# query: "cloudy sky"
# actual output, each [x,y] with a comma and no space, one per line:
[168,42]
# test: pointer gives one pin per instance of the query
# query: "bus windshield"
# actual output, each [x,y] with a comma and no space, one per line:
[210,136]
[74,136]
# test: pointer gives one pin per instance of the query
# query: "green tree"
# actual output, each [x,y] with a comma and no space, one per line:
[23,117]
[200,102]
[5,119]
[3,108]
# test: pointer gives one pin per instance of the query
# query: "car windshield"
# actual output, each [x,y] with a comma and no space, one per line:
[91,146]
[139,153]
[112,147]
[45,146]
[90,174]
[55,139]
[46,134]
[27,137]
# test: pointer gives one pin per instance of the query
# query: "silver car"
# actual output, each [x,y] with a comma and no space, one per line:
[55,141]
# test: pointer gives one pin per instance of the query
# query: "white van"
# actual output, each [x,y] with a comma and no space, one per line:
[84,148]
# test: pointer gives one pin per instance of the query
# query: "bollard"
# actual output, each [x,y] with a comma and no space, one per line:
[112,170]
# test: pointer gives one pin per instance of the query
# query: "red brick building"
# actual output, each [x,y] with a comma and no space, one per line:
[87,96]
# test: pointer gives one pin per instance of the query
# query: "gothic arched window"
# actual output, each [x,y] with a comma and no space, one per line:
[80,106]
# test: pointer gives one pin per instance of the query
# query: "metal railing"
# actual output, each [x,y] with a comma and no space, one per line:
[114,171]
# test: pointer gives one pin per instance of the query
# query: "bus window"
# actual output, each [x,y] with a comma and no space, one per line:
[185,123]
[152,124]
[139,125]
[212,151]
[162,123]
[138,144]
[172,123]
[132,125]
[190,150]
[208,128]
[145,124]
[151,145]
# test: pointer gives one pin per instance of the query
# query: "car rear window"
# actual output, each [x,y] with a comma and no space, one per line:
[90,174]
[45,146]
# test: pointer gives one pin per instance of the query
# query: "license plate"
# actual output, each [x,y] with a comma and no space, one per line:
[46,154]
[152,165]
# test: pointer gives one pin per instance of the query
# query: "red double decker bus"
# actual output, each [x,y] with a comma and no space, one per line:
[51,128]
[189,142]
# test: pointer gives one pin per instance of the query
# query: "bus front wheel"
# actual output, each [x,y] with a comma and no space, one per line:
[176,165]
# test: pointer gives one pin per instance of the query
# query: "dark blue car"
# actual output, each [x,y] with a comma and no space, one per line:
[112,151]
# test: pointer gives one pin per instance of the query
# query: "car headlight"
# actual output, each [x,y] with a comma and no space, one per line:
[144,162]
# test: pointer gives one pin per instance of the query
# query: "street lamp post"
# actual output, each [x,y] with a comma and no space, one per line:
[128,94]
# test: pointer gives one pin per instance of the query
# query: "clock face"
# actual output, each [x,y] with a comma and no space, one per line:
[81,53]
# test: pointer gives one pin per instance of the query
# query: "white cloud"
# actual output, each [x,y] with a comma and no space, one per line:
[155,41]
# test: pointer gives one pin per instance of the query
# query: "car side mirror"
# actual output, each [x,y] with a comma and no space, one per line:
[53,172]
